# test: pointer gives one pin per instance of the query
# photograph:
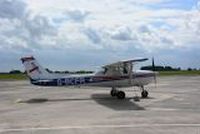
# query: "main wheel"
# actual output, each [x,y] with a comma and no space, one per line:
[121,95]
[144,94]
[113,92]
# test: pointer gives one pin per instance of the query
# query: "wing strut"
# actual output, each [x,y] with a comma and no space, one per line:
[130,72]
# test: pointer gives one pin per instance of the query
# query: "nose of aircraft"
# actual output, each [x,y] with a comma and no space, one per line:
[152,74]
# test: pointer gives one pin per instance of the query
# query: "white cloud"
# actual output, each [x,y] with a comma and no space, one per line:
[123,27]
[122,33]
[19,29]
[77,15]
[12,9]
[93,35]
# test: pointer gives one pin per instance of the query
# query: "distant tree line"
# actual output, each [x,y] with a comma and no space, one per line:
[15,72]
[165,68]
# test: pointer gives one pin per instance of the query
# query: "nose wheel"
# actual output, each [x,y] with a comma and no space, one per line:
[119,94]
[144,93]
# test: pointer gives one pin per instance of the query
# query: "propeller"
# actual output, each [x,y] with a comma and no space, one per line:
[153,64]
[155,73]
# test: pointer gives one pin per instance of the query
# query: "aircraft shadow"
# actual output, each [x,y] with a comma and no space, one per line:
[102,99]
[116,104]
[43,100]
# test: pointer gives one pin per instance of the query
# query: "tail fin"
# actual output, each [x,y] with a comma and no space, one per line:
[33,69]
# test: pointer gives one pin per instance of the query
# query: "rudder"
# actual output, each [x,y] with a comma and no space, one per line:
[33,69]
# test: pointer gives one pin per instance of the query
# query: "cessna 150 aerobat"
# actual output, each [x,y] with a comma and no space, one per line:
[116,75]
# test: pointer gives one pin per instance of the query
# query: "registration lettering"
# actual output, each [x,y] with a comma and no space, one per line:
[73,81]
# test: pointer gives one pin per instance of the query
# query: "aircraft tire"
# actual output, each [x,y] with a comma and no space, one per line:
[113,92]
[144,94]
[121,95]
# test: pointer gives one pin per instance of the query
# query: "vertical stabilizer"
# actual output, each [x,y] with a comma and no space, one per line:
[33,69]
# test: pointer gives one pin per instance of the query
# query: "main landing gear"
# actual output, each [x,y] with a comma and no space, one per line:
[119,94]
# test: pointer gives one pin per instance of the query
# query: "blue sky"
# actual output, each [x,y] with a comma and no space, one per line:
[85,34]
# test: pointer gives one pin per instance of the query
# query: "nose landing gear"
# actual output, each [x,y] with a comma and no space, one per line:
[144,93]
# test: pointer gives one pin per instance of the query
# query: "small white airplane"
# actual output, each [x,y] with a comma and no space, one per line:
[115,75]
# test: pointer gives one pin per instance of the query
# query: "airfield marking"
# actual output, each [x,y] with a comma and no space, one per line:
[99,126]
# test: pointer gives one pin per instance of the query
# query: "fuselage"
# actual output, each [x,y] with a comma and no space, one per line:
[138,78]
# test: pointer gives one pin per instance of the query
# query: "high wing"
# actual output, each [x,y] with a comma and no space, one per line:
[125,62]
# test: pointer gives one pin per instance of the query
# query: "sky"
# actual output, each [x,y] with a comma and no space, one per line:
[85,34]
